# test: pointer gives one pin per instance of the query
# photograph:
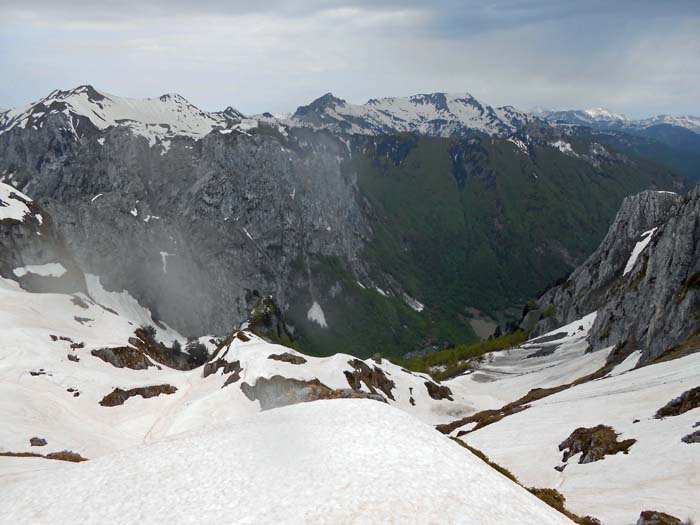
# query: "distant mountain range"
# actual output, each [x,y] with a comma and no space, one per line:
[399,225]
[435,114]
[601,118]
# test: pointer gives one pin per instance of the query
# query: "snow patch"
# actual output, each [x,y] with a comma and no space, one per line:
[413,303]
[45,270]
[316,315]
[564,147]
[518,144]
[13,203]
[164,259]
[638,249]
[628,364]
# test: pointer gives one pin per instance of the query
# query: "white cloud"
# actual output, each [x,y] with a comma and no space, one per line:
[275,55]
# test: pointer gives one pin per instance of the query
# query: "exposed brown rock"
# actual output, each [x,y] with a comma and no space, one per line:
[373,378]
[145,341]
[288,357]
[212,366]
[118,396]
[232,378]
[124,357]
[688,400]
[37,442]
[438,391]
[64,455]
[653,517]
[73,358]
[594,444]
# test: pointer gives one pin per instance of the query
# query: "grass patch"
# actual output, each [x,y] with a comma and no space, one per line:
[551,497]
[483,457]
[443,364]
[556,500]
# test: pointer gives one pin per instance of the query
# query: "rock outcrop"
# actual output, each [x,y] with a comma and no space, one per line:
[288,357]
[278,391]
[643,280]
[118,396]
[688,400]
[123,357]
[373,378]
[32,251]
[653,517]
[593,444]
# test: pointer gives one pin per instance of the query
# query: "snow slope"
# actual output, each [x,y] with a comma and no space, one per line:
[660,472]
[108,319]
[298,464]
[206,426]
[507,375]
[207,452]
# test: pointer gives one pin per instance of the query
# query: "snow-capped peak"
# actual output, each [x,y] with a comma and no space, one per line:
[441,114]
[688,122]
[154,118]
[599,113]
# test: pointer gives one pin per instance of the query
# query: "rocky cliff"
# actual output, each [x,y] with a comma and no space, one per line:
[644,280]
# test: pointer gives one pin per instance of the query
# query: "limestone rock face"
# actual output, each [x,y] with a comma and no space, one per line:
[32,250]
[199,223]
[644,279]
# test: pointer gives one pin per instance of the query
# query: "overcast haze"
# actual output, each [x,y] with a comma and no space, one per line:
[635,57]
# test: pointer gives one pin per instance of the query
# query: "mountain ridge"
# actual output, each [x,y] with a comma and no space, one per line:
[438,113]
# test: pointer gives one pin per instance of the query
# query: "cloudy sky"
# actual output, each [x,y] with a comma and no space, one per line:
[638,57]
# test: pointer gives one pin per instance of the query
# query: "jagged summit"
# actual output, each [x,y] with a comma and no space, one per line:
[319,105]
[437,114]
[158,118]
